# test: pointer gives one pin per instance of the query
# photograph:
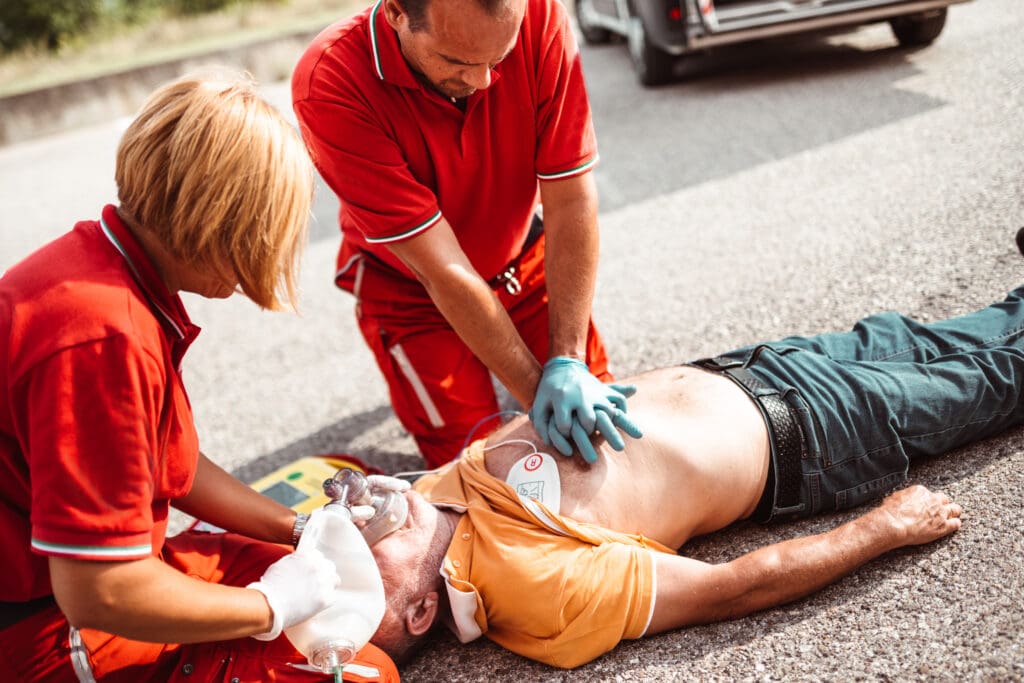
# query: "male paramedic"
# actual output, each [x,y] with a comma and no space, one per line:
[440,124]
[97,437]
[770,431]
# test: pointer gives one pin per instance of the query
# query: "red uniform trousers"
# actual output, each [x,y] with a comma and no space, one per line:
[439,390]
[38,649]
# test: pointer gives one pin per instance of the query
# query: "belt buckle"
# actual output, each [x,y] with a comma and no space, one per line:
[512,284]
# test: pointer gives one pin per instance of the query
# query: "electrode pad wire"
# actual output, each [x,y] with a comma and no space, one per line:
[412,475]
[533,447]
[514,413]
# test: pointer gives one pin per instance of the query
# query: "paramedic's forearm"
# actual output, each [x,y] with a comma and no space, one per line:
[471,308]
[149,601]
[221,499]
[480,320]
[570,261]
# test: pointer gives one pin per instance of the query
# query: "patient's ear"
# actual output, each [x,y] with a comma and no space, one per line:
[420,614]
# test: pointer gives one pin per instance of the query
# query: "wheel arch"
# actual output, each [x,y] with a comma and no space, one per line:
[653,14]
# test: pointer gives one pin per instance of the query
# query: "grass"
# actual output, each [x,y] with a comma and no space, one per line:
[117,47]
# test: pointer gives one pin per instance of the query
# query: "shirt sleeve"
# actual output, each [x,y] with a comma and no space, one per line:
[88,417]
[365,167]
[582,603]
[566,143]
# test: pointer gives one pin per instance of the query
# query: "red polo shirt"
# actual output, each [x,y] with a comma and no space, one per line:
[96,432]
[399,155]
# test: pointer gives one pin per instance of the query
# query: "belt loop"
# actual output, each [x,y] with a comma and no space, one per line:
[719,363]
[752,383]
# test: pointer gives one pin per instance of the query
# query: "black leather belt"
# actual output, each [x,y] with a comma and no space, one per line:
[782,490]
[508,276]
[13,612]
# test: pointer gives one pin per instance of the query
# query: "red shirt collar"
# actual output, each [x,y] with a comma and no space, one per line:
[167,307]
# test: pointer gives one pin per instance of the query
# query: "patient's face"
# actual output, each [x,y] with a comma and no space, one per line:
[397,553]
[408,559]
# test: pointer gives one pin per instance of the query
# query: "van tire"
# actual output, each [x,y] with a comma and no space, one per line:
[914,30]
[653,65]
[592,35]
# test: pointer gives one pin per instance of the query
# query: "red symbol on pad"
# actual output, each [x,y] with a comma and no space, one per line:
[533,463]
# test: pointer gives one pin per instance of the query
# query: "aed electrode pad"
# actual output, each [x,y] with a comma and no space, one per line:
[536,477]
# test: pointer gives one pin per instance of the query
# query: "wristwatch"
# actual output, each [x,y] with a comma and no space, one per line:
[299,527]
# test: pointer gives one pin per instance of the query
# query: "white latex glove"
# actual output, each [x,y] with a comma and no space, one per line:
[296,587]
[361,513]
[381,483]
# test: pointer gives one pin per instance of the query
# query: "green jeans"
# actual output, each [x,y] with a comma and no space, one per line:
[891,390]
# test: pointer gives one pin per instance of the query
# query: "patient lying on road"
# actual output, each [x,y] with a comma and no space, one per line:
[558,560]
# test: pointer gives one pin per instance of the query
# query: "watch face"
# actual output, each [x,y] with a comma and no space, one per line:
[285,493]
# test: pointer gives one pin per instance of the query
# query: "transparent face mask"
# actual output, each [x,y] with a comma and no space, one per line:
[390,508]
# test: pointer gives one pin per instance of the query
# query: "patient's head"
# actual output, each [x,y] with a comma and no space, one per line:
[410,560]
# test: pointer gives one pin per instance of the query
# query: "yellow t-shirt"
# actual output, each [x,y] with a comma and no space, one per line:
[544,586]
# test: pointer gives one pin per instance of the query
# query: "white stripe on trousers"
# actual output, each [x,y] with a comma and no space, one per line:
[80,657]
[398,353]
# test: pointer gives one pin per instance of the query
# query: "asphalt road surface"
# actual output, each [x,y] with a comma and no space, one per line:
[790,186]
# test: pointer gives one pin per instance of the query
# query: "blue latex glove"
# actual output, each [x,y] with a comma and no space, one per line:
[572,404]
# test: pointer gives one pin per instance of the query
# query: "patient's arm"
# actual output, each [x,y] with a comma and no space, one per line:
[693,592]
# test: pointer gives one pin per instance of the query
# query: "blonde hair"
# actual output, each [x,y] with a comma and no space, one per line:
[223,180]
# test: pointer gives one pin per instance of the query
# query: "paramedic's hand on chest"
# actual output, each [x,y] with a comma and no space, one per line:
[573,404]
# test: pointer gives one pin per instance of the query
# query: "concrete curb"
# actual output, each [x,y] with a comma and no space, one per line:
[93,100]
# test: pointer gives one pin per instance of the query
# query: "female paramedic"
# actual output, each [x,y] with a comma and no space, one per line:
[97,438]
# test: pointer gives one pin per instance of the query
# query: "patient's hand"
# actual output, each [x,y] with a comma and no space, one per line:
[920,516]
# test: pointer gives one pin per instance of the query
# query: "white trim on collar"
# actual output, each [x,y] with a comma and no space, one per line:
[109,234]
[374,46]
